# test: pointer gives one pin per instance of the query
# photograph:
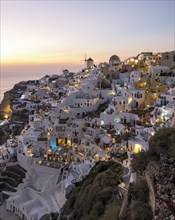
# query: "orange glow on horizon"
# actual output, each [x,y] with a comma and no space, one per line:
[40,60]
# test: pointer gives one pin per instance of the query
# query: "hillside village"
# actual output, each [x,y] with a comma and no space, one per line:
[62,125]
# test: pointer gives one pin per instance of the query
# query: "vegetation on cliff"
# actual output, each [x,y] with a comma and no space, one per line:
[158,167]
[162,143]
[98,196]
[138,198]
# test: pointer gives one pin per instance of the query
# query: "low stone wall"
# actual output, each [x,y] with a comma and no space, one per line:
[151,192]
[124,207]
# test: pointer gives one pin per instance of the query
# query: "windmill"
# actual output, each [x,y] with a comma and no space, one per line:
[85,59]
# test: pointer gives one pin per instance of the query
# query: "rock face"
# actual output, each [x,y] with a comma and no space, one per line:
[161,181]
[5,108]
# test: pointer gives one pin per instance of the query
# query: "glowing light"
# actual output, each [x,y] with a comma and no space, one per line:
[157,119]
[6,116]
[129,100]
[22,97]
[102,122]
[137,148]
[68,142]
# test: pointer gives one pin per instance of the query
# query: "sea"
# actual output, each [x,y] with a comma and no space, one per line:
[8,80]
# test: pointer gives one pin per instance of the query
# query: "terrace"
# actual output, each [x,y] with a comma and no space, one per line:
[11,177]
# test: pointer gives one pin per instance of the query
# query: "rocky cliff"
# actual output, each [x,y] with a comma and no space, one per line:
[161,181]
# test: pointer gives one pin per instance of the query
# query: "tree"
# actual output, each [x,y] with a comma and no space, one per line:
[141,211]
[163,142]
[140,191]
[140,161]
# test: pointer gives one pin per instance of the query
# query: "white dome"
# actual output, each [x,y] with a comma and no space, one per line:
[114,59]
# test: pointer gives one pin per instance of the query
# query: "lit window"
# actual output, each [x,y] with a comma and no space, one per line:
[137,148]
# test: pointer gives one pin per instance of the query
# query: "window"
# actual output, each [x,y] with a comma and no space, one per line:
[139,95]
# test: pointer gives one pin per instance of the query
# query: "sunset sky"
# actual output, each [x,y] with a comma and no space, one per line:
[45,33]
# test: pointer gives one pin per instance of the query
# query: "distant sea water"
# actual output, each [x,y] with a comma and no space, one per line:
[10,75]
[8,80]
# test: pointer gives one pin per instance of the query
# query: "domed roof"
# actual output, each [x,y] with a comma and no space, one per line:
[114,58]
[90,59]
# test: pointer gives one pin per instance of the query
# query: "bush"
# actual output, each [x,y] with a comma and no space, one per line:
[105,84]
[112,212]
[163,142]
[141,211]
[54,215]
[105,195]
[140,161]
[95,193]
[98,210]
[140,191]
